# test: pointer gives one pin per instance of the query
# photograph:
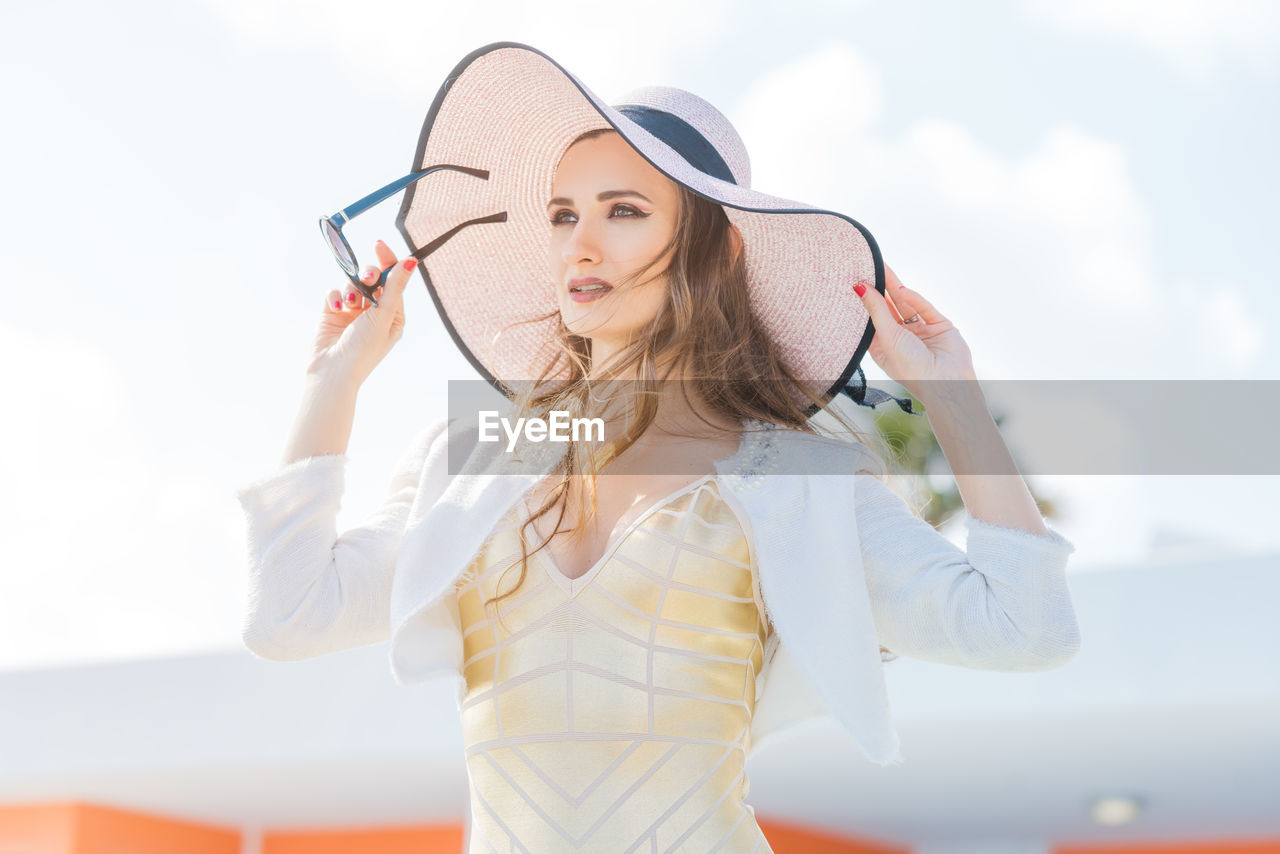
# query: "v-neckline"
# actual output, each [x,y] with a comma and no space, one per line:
[574,586]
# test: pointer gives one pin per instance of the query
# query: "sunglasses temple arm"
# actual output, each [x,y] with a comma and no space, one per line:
[424,251]
[350,212]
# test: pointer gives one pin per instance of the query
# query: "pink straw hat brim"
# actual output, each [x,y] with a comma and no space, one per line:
[512,110]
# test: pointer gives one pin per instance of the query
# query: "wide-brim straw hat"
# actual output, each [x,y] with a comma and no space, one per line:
[513,111]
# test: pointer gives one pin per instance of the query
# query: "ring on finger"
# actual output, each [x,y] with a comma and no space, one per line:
[912,319]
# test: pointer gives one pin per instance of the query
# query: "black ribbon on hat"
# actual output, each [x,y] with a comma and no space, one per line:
[864,395]
[681,136]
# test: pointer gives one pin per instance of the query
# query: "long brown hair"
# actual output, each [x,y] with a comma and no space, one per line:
[706,325]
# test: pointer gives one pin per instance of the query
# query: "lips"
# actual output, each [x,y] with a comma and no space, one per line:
[588,285]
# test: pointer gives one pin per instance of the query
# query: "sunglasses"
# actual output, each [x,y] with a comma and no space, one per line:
[331,227]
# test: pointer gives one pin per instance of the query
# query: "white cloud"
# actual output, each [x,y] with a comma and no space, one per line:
[1194,35]
[812,105]
[107,552]
[1229,325]
[409,46]
[1044,259]
[1073,195]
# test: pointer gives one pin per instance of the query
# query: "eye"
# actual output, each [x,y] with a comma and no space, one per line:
[632,213]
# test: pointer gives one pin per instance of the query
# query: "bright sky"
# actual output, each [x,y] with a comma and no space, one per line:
[1087,189]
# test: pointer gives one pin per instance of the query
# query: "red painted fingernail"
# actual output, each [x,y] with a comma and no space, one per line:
[337,303]
[902,287]
[351,297]
[410,263]
[860,289]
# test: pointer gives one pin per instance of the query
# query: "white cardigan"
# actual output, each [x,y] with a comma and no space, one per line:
[844,566]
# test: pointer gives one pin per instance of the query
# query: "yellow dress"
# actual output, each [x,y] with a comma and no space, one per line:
[612,712]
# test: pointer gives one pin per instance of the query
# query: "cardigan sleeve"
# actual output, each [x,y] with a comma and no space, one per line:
[312,590]
[1002,604]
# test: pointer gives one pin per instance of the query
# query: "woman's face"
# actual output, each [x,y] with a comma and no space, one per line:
[611,212]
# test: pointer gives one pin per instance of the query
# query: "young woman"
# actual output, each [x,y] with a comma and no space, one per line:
[614,608]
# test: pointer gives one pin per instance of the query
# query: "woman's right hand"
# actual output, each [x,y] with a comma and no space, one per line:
[354,335]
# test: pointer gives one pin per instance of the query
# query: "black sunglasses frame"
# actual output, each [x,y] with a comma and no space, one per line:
[331,227]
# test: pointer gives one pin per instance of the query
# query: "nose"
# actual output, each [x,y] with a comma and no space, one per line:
[580,246]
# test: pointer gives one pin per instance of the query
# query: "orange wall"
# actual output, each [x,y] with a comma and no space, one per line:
[38,829]
[442,838]
[78,828]
[792,839]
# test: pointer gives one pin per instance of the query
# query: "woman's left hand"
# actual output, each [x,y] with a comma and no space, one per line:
[914,354]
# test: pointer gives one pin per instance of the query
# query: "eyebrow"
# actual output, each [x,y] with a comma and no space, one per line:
[605,196]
